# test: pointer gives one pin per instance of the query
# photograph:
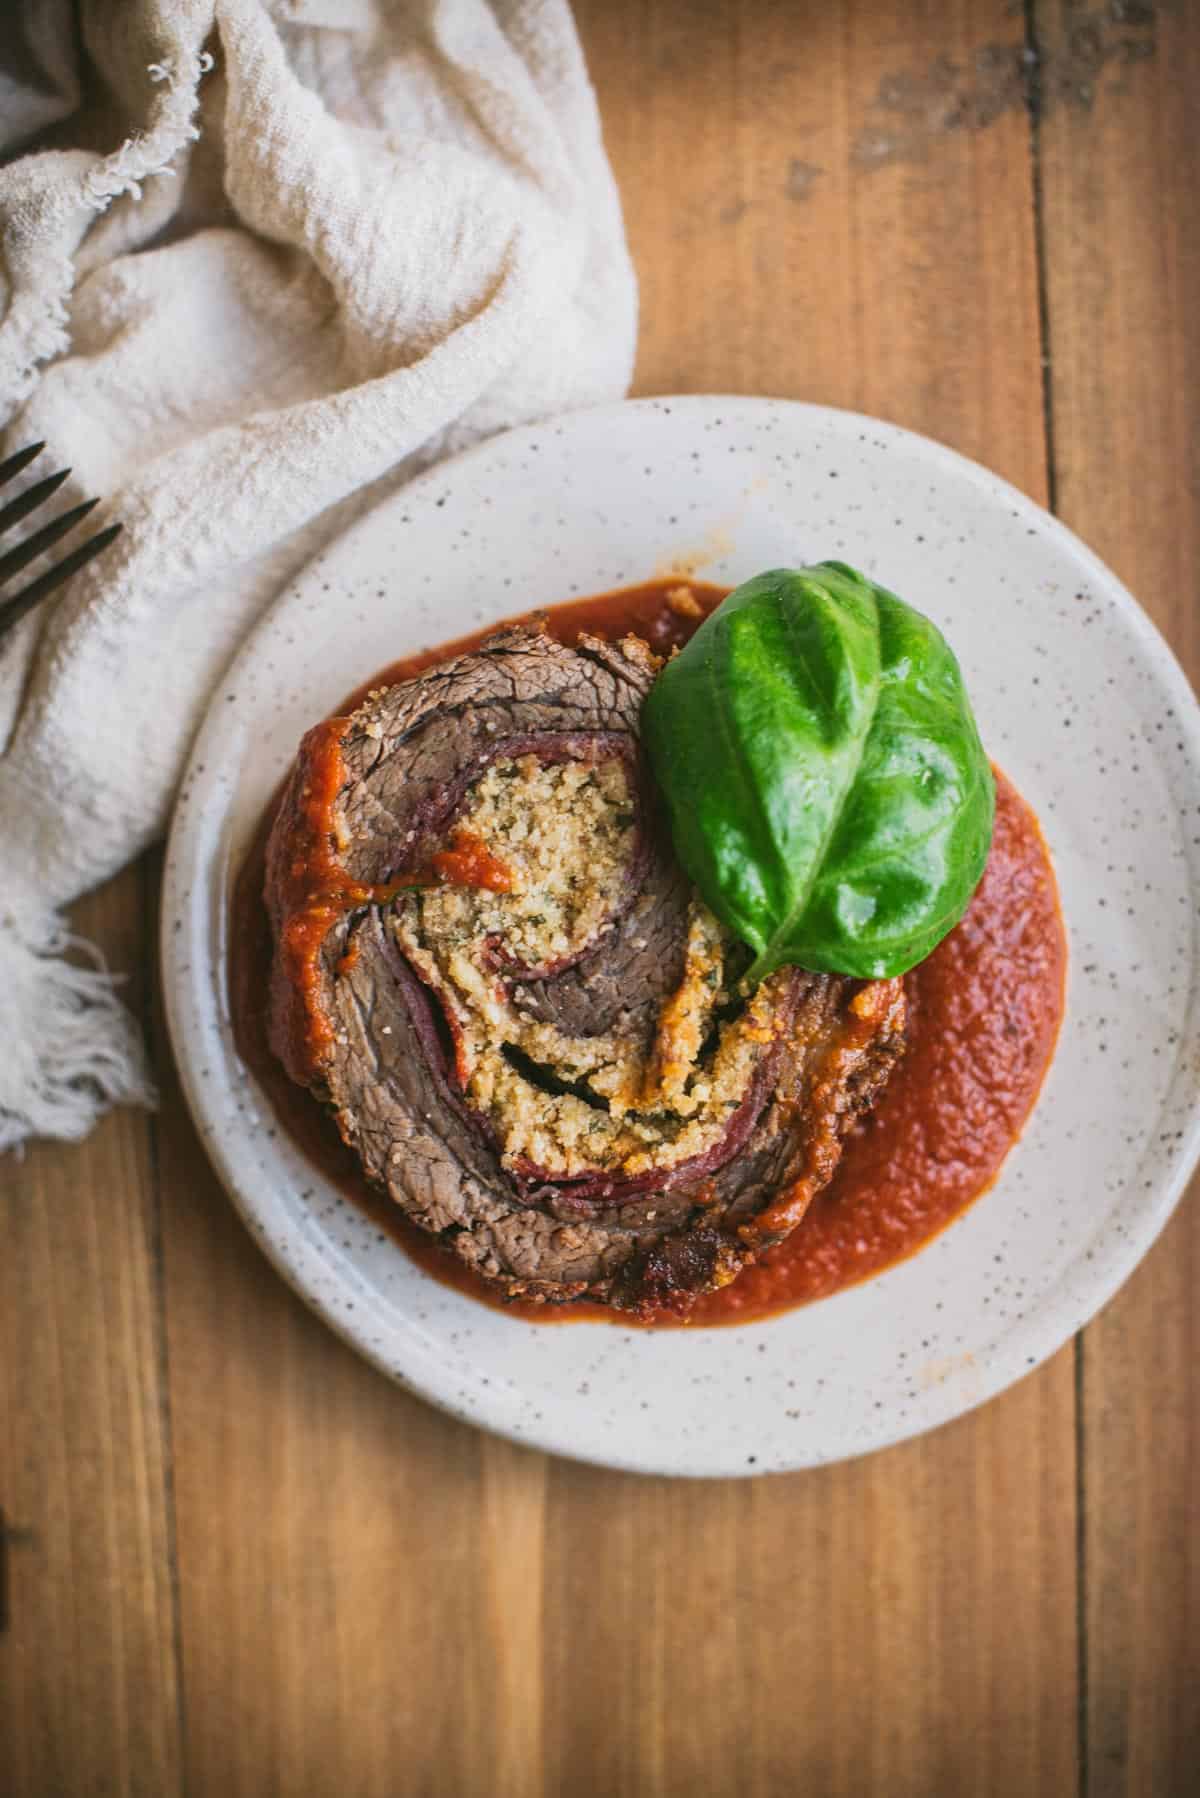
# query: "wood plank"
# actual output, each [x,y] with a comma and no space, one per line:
[863,1628]
[1122,233]
[813,213]
[905,1624]
[89,1696]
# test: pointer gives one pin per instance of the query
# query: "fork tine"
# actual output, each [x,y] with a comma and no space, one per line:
[24,553]
[26,502]
[20,460]
[13,610]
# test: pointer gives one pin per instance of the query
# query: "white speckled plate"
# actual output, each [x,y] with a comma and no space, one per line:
[1079,700]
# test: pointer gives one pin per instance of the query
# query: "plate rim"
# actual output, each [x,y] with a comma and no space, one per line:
[945,1403]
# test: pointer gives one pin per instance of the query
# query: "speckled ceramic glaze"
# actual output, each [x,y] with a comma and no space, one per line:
[1078,699]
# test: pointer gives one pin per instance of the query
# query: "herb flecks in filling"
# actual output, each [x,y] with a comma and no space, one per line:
[567,834]
[565,831]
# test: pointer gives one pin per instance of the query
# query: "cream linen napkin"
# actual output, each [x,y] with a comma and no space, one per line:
[284,255]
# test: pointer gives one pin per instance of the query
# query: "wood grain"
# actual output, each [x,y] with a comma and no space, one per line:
[89,1693]
[248,1565]
[1122,235]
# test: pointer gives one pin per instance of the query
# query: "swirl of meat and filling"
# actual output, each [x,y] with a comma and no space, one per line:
[530,1029]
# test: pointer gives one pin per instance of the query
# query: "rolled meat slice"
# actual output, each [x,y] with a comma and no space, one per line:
[528,1027]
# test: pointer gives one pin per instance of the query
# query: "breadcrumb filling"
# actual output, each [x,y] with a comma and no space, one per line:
[567,834]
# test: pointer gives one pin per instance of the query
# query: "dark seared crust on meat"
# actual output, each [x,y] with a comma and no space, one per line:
[846,1040]
[411,752]
[377,1050]
[418,1141]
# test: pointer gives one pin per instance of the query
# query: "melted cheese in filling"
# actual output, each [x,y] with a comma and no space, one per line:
[566,832]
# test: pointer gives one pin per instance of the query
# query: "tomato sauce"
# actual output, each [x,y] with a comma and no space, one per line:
[984,1014]
[470,863]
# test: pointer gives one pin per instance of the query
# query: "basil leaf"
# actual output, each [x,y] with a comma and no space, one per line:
[823,774]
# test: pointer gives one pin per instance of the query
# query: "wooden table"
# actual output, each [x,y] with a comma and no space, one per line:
[240,1562]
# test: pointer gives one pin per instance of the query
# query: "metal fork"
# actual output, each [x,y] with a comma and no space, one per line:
[16,607]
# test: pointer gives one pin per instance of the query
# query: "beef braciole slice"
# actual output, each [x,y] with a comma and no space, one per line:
[528,1027]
